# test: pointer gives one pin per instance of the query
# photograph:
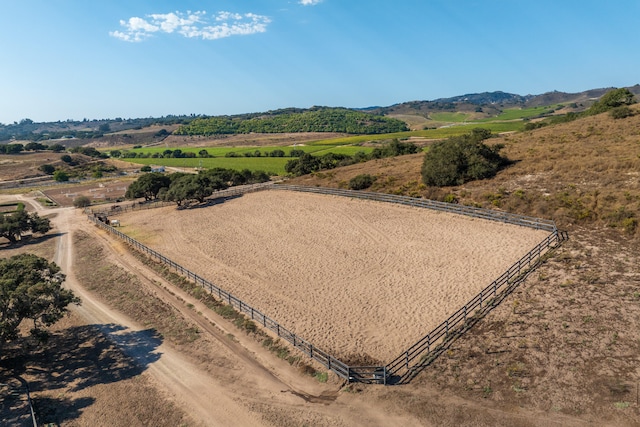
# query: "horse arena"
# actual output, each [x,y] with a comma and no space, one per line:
[361,279]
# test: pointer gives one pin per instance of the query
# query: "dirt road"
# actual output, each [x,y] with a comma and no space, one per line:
[259,389]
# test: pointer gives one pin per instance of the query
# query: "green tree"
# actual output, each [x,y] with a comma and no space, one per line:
[31,289]
[460,159]
[145,168]
[81,202]
[48,169]
[115,153]
[66,158]
[148,186]
[56,148]
[13,225]
[34,146]
[612,99]
[60,176]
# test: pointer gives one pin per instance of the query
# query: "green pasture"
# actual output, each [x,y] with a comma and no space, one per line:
[275,165]
[521,113]
[271,165]
[449,117]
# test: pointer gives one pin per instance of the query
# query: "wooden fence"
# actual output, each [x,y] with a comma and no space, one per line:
[404,367]
[340,368]
[493,215]
[119,208]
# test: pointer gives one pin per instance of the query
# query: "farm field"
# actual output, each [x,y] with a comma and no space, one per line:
[98,192]
[360,279]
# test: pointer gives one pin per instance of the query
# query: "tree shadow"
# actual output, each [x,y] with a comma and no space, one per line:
[29,240]
[56,410]
[77,358]
[210,202]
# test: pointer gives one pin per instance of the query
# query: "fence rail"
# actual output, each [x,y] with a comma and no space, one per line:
[119,208]
[406,365]
[526,221]
[340,368]
[402,367]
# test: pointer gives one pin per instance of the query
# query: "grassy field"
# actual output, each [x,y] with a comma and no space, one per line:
[521,113]
[275,165]
[272,165]
[449,117]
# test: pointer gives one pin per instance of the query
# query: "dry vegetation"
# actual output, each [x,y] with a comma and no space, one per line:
[585,172]
[563,349]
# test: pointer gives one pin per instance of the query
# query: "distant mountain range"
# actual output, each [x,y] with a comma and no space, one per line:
[494,101]
[486,104]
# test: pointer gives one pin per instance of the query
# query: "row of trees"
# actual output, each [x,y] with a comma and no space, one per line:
[307,163]
[30,146]
[182,188]
[340,120]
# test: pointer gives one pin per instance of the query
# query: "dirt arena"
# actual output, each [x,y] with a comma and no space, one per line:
[97,192]
[360,279]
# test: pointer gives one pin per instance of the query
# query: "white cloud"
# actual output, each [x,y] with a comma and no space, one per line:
[309,2]
[192,25]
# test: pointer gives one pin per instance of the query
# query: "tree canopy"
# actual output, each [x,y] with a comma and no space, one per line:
[31,289]
[317,119]
[612,99]
[14,224]
[180,187]
[148,186]
[459,159]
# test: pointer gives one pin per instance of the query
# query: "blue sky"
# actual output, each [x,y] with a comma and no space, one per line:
[73,59]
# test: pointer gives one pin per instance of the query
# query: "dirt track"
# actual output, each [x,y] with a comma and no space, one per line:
[259,389]
[361,279]
[235,396]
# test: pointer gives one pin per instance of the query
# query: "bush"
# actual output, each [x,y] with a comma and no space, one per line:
[461,159]
[621,112]
[66,158]
[145,168]
[361,182]
[48,169]
[81,202]
[60,176]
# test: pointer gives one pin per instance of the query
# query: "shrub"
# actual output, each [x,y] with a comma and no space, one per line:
[621,112]
[361,182]
[145,168]
[460,159]
[60,176]
[66,158]
[48,169]
[81,202]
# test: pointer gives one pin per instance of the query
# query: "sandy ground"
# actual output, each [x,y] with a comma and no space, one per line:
[361,279]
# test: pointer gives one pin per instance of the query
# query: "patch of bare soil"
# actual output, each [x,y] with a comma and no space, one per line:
[360,279]
[565,342]
[106,191]
[25,165]
[81,378]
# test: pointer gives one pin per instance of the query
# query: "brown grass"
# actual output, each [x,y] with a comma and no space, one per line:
[586,172]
